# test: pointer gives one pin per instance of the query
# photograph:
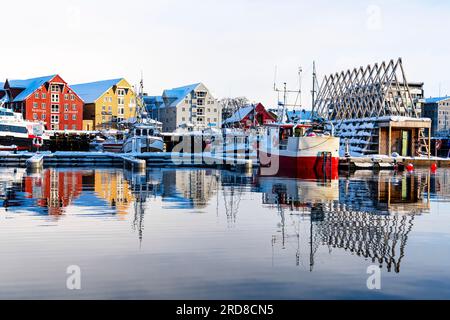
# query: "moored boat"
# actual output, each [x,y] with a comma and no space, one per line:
[300,151]
[19,134]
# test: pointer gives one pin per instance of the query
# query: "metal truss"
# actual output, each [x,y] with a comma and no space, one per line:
[375,91]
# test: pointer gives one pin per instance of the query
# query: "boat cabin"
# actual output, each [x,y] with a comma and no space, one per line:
[145,131]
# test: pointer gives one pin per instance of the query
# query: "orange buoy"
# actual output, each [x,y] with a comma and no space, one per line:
[434,167]
[410,167]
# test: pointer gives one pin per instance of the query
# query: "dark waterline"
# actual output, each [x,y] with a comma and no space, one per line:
[209,234]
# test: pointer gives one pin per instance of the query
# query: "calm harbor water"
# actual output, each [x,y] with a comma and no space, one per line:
[209,234]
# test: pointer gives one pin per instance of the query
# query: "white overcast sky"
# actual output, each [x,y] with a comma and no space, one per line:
[232,46]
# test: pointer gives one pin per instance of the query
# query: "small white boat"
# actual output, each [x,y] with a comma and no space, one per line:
[143,138]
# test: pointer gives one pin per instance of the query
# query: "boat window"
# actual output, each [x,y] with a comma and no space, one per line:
[15,129]
[144,132]
[138,132]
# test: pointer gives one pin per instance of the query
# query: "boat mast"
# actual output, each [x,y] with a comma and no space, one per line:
[314,88]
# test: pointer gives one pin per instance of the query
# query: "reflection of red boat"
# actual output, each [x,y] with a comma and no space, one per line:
[299,151]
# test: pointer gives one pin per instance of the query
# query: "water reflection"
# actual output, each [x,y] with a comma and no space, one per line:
[369,215]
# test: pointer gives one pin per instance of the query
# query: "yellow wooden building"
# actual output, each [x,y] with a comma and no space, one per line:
[106,103]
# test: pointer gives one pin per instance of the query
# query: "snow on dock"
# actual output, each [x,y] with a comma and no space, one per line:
[138,161]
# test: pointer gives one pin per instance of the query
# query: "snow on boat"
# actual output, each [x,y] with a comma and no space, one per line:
[300,151]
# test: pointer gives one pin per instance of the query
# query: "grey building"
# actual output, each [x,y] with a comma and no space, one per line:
[438,110]
[192,106]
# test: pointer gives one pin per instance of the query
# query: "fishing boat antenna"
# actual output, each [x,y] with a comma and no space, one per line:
[315,86]
[283,112]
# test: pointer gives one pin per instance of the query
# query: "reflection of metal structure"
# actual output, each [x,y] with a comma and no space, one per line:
[372,217]
[380,238]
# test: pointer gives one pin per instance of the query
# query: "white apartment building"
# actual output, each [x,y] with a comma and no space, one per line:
[191,106]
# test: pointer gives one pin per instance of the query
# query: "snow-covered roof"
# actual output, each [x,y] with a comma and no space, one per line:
[29,86]
[239,115]
[153,102]
[178,94]
[436,100]
[90,92]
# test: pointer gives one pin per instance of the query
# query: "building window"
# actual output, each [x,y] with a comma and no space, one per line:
[55,118]
[43,117]
[55,108]
[121,92]
[74,127]
[66,127]
[103,108]
[74,117]
[121,110]
[43,106]
[66,117]
[35,116]
[66,97]
[44,96]
[120,101]
[36,95]
[54,88]
[66,107]
[72,97]
[35,105]
[55,97]
[74,107]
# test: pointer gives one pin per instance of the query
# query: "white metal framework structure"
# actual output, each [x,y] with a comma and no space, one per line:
[368,94]
[375,91]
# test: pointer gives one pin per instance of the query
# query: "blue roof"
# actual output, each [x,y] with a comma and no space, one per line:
[240,114]
[153,102]
[436,100]
[176,95]
[90,92]
[29,86]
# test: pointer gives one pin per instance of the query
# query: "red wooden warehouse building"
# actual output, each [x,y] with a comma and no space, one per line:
[250,116]
[47,99]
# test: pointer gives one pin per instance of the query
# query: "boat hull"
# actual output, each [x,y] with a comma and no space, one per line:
[302,157]
[302,167]
[20,143]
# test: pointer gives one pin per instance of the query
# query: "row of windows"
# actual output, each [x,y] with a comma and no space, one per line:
[8,128]
[200,119]
[207,110]
[53,116]
[55,126]
[55,107]
[55,96]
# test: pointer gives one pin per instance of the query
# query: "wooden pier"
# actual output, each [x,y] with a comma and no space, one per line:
[138,162]
[386,163]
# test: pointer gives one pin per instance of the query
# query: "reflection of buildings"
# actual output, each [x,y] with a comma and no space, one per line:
[386,192]
[54,189]
[370,216]
[10,182]
[112,186]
